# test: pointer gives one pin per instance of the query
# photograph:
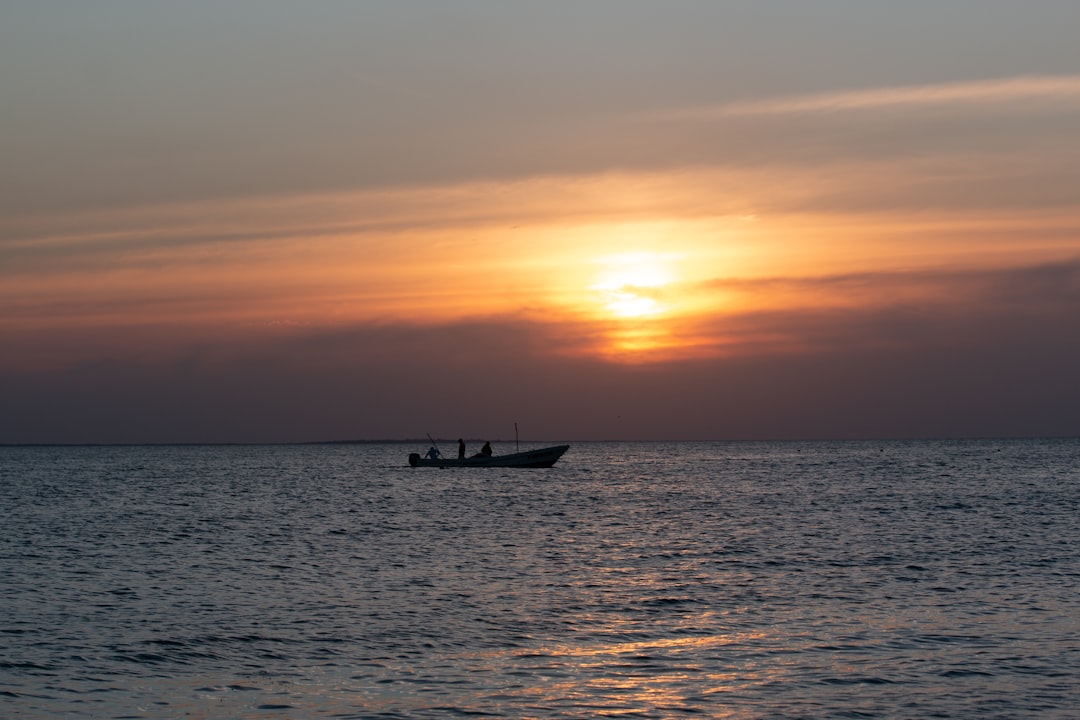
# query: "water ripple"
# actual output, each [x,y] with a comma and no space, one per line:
[734,580]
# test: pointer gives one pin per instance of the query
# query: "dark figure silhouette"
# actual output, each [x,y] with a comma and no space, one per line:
[486,450]
[460,449]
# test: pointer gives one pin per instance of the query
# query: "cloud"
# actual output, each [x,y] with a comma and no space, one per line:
[981,144]
[890,310]
[993,353]
[1036,92]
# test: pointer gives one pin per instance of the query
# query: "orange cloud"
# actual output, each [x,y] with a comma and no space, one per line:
[627,260]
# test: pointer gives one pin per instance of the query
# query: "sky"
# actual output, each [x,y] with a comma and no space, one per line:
[263,221]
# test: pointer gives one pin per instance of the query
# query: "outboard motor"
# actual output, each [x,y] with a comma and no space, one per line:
[414,458]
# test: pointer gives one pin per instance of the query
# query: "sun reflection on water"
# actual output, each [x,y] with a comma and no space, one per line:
[632,677]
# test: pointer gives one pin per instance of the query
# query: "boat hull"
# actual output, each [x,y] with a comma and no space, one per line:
[540,458]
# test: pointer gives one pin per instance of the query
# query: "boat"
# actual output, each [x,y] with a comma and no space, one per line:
[540,458]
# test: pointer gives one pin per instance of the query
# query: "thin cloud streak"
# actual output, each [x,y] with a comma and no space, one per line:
[1040,90]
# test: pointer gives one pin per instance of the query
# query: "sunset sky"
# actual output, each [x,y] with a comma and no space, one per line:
[292,221]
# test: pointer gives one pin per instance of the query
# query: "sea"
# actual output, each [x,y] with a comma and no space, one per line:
[913,579]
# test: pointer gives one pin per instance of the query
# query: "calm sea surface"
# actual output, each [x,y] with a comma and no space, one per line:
[721,580]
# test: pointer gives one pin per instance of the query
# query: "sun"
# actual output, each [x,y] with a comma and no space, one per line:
[629,284]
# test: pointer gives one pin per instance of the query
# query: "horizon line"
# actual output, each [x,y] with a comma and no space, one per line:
[403,441]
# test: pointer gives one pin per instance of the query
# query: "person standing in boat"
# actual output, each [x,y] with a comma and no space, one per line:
[460,449]
[486,450]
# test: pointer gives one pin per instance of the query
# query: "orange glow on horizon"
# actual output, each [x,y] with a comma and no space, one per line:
[645,267]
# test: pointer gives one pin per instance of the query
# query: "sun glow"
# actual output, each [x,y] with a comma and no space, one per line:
[629,286]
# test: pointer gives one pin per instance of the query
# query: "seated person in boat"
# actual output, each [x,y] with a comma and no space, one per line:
[432,453]
[486,450]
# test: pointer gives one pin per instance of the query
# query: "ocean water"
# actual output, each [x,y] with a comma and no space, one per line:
[720,580]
